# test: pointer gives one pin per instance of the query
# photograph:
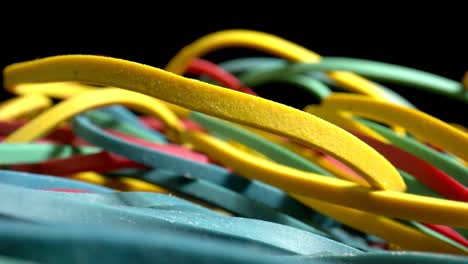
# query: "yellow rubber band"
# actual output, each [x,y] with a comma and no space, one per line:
[216,101]
[270,44]
[312,156]
[343,120]
[75,105]
[421,125]
[58,90]
[23,105]
[405,237]
[134,185]
[122,184]
[387,203]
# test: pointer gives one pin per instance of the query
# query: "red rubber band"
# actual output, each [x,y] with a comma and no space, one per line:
[426,173]
[201,66]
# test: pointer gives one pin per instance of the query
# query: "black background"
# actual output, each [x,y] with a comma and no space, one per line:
[435,42]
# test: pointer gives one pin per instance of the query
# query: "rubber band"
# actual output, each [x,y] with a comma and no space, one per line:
[450,233]
[120,113]
[37,181]
[20,106]
[276,153]
[377,71]
[85,98]
[233,132]
[343,120]
[267,43]
[251,189]
[61,135]
[326,188]
[200,66]
[386,203]
[398,74]
[65,242]
[108,121]
[171,149]
[224,103]
[222,197]
[393,231]
[15,153]
[424,228]
[10,260]
[126,208]
[338,169]
[117,183]
[328,163]
[101,162]
[441,161]
[59,90]
[429,175]
[63,111]
[416,187]
[262,68]
[158,125]
[418,123]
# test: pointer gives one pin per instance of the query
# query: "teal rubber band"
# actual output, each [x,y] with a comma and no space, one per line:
[223,198]
[39,181]
[149,210]
[255,190]
[121,113]
[106,120]
[10,260]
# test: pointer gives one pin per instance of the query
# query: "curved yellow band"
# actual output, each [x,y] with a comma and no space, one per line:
[217,101]
[75,105]
[407,238]
[58,90]
[270,44]
[420,124]
[23,105]
[386,203]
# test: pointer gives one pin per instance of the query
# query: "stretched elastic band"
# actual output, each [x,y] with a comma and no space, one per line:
[224,103]
[268,43]
[22,105]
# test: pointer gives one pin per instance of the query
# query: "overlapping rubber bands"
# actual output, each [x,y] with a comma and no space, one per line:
[360,173]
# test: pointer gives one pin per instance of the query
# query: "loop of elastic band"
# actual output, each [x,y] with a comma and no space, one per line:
[416,122]
[22,105]
[252,189]
[267,43]
[130,210]
[224,103]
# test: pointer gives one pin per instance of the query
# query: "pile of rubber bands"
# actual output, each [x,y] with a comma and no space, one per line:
[111,161]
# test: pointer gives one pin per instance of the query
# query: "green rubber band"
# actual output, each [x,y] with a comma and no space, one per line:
[263,70]
[15,153]
[441,237]
[104,120]
[275,152]
[441,161]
